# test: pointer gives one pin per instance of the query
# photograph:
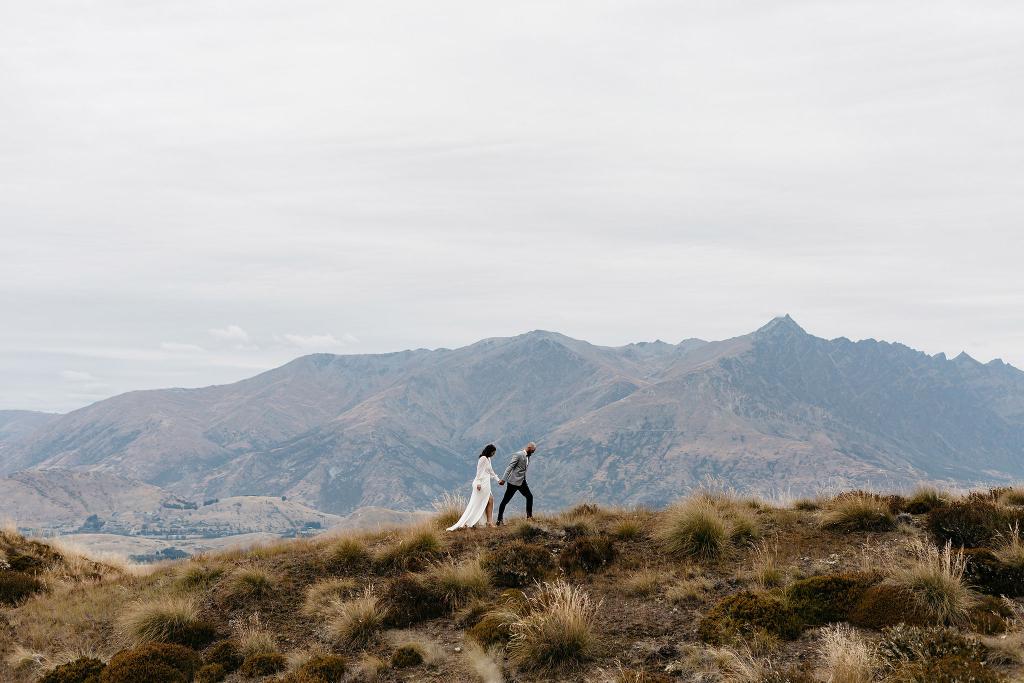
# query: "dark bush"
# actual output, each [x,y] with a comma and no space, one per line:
[986,573]
[587,554]
[886,605]
[519,564]
[746,611]
[82,670]
[409,599]
[529,531]
[949,670]
[211,673]
[263,664]
[226,654]
[323,669]
[990,616]
[905,643]
[15,587]
[196,635]
[577,530]
[827,598]
[152,663]
[972,523]
[407,655]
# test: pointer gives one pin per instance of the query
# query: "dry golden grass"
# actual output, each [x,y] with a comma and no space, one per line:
[926,496]
[846,655]
[251,582]
[721,665]
[322,594]
[484,664]
[1013,496]
[159,620]
[198,575]
[459,582]
[1010,550]
[413,544]
[766,570]
[643,582]
[347,553]
[253,638]
[356,622]
[936,579]
[448,509]
[370,668]
[557,632]
[693,528]
[628,528]
[688,589]
[857,512]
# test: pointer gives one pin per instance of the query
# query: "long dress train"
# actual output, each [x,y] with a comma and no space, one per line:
[478,501]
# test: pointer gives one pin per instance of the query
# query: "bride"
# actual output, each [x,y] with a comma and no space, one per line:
[482,502]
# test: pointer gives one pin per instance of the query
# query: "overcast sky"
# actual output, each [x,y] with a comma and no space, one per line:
[191,192]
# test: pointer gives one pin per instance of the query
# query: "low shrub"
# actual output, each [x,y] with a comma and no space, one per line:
[826,598]
[519,564]
[885,604]
[224,654]
[986,572]
[495,626]
[858,512]
[906,643]
[415,548]
[210,673]
[356,622]
[18,586]
[410,599]
[152,663]
[586,554]
[167,620]
[693,528]
[346,555]
[971,523]
[527,530]
[745,611]
[946,670]
[323,668]
[991,616]
[265,664]
[81,670]
[578,529]
[407,655]
[557,631]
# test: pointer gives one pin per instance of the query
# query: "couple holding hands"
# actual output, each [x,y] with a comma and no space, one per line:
[481,503]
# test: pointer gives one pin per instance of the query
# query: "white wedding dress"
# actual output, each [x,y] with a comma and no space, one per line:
[478,502]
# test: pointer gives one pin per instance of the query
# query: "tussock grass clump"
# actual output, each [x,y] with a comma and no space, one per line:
[1012,496]
[415,548]
[526,530]
[694,528]
[689,589]
[458,583]
[81,670]
[152,662]
[409,599]
[252,638]
[557,632]
[17,586]
[766,570]
[167,620]
[198,575]
[253,583]
[936,580]
[347,554]
[519,564]
[495,626]
[483,664]
[322,593]
[642,582]
[846,655]
[925,498]
[858,512]
[1010,550]
[807,504]
[586,555]
[356,622]
[629,528]
[448,509]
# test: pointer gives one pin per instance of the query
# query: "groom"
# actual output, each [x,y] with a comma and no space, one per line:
[515,476]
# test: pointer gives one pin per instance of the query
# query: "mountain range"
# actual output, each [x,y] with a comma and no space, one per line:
[774,411]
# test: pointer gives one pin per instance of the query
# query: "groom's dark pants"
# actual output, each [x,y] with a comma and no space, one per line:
[510,490]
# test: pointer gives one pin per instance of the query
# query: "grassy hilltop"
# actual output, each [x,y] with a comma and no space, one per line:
[853,588]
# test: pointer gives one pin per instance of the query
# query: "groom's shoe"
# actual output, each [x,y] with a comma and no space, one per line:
[498,523]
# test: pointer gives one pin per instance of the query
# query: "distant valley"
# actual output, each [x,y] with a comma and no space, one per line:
[775,411]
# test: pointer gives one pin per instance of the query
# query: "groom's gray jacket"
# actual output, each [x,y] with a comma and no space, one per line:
[515,473]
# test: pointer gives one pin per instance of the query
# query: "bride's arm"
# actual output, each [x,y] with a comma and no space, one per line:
[490,471]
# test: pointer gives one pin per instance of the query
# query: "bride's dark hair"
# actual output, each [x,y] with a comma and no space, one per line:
[488,451]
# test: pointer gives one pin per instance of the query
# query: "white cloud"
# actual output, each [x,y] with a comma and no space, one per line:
[231,333]
[77,376]
[177,347]
[320,341]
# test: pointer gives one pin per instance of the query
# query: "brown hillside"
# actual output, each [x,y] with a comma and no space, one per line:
[859,587]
